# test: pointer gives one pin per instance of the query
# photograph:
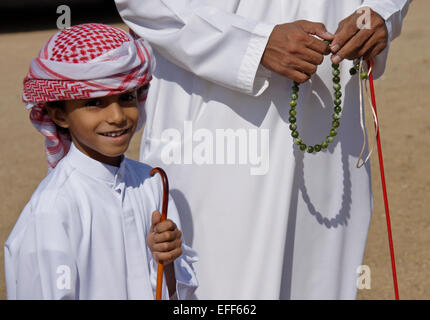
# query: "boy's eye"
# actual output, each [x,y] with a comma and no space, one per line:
[128,97]
[93,103]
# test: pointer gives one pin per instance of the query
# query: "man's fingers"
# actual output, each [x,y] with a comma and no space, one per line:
[316,28]
[373,52]
[318,45]
[311,56]
[291,70]
[379,38]
[351,48]
[306,67]
[346,31]
[370,44]
[294,51]
[297,76]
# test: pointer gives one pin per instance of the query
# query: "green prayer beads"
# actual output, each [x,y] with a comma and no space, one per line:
[336,115]
[337,108]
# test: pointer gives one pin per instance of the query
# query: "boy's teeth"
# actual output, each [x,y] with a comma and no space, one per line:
[114,134]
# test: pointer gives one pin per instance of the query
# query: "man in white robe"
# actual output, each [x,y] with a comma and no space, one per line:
[268,221]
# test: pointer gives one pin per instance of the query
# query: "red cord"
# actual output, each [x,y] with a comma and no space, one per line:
[384,187]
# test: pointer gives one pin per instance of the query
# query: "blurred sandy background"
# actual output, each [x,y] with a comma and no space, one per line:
[402,99]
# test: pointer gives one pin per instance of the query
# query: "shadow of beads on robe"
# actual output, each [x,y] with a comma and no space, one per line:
[344,212]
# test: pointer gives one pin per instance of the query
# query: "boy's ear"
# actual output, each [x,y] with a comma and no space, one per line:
[58,116]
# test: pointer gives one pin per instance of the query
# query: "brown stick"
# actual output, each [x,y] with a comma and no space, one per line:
[163,217]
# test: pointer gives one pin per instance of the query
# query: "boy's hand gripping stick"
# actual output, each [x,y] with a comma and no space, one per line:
[163,217]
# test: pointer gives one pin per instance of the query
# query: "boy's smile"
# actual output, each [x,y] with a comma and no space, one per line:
[100,127]
[115,134]
[118,137]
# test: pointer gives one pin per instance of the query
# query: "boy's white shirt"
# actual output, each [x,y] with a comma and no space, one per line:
[83,235]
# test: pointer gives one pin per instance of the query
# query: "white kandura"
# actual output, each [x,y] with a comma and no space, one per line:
[291,225]
[83,235]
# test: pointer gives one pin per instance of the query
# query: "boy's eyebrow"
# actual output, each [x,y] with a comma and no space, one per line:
[84,102]
[90,99]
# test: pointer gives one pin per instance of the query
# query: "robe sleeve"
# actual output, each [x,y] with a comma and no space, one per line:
[393,12]
[216,45]
[39,265]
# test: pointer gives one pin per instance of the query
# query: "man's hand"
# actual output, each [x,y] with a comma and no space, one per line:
[293,52]
[164,239]
[351,42]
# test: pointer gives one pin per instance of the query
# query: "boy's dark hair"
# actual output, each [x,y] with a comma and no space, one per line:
[142,90]
[57,104]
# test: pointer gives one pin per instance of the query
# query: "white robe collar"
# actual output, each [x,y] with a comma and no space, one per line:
[109,174]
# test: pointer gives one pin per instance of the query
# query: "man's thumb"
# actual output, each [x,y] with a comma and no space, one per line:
[318,29]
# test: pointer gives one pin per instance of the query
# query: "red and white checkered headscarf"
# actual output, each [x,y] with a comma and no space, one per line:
[81,62]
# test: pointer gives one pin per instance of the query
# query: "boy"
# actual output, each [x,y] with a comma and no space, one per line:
[92,228]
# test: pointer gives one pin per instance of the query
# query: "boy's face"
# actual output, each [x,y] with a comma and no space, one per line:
[101,127]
